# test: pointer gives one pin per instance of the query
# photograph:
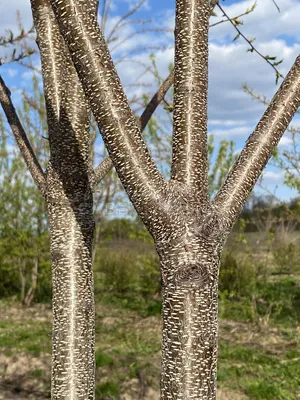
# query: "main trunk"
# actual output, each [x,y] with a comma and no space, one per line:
[190,321]
[70,215]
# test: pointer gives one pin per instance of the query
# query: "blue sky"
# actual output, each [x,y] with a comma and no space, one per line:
[232,113]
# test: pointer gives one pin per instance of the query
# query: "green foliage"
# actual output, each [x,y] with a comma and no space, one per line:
[129,272]
[263,389]
[122,228]
[287,258]
[237,278]
[282,298]
[24,238]
[130,277]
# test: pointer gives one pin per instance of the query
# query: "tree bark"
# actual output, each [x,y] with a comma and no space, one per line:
[189,230]
[73,337]
[190,256]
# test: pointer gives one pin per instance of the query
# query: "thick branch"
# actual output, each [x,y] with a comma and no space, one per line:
[102,169]
[106,165]
[70,212]
[259,147]
[110,107]
[189,164]
[21,138]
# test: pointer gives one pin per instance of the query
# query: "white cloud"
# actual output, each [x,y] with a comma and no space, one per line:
[232,133]
[273,175]
[12,72]
[285,141]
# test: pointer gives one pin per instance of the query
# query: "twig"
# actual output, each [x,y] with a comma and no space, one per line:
[21,138]
[278,74]
[274,2]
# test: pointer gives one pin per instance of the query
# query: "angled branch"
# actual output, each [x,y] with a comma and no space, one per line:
[106,165]
[116,121]
[189,164]
[21,138]
[259,147]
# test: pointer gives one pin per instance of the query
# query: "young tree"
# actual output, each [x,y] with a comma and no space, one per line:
[67,186]
[189,230]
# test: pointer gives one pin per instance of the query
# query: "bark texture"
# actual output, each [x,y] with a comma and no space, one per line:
[190,256]
[70,214]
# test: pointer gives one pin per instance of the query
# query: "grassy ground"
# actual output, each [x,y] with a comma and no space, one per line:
[259,346]
[256,360]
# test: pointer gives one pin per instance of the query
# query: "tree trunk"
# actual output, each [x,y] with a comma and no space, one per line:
[22,278]
[33,282]
[70,215]
[190,320]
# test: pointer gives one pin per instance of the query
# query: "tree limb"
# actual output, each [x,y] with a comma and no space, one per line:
[189,163]
[116,121]
[21,138]
[70,212]
[259,147]
[106,165]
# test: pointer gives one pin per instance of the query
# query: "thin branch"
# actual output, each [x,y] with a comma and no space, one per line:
[189,163]
[276,5]
[21,138]
[118,24]
[222,21]
[259,147]
[137,32]
[106,165]
[266,58]
[262,99]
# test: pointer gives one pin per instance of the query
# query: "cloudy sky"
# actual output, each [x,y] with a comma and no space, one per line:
[232,113]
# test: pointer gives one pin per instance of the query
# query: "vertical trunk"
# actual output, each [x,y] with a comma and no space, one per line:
[190,322]
[71,226]
[22,278]
[96,240]
[33,281]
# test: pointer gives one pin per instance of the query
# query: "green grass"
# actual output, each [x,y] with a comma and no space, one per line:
[128,342]
[37,373]
[259,375]
[26,336]
[107,390]
[103,359]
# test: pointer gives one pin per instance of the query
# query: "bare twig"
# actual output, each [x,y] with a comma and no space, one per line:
[262,99]
[21,138]
[276,5]
[266,58]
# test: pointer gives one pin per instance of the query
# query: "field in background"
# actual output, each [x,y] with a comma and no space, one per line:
[259,356]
